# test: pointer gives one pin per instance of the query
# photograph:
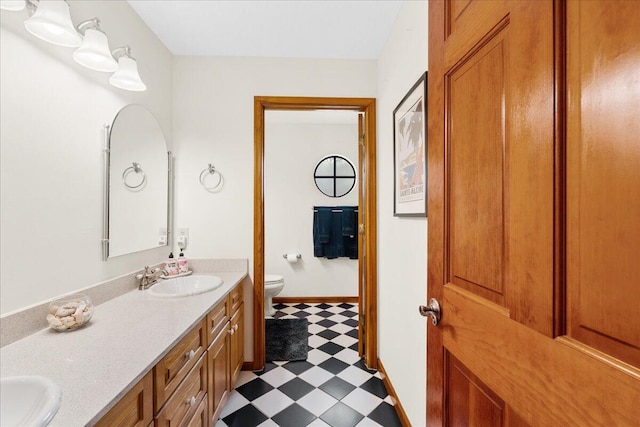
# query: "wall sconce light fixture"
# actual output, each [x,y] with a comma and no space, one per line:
[94,53]
[127,76]
[51,22]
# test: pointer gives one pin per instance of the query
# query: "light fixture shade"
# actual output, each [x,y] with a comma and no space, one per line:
[127,76]
[12,5]
[52,22]
[95,53]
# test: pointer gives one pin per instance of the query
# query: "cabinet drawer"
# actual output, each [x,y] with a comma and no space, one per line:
[217,319]
[199,419]
[134,409]
[187,399]
[176,364]
[236,297]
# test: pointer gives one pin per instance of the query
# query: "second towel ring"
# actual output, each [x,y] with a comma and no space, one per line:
[211,170]
[137,169]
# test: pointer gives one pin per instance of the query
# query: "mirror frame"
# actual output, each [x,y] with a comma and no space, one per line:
[106,191]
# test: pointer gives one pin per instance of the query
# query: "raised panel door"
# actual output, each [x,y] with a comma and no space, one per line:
[603,177]
[534,200]
[219,374]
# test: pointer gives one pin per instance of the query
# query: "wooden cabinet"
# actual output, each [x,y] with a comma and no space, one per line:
[226,352]
[134,409]
[189,386]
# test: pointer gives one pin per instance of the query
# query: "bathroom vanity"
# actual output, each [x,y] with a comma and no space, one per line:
[191,383]
[143,360]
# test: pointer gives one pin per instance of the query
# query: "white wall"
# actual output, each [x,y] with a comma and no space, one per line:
[402,242]
[292,152]
[52,113]
[213,123]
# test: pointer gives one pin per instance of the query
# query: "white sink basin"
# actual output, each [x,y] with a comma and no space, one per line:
[185,286]
[28,401]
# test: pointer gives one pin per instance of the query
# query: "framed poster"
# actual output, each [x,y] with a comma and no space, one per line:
[410,152]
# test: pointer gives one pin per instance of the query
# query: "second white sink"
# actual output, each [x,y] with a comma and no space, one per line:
[185,286]
[28,401]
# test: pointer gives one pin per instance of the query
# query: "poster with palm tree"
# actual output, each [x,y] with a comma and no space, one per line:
[410,152]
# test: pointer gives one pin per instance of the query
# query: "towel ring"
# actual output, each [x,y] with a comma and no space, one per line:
[137,169]
[211,170]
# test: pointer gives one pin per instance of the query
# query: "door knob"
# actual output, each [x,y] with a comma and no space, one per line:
[432,311]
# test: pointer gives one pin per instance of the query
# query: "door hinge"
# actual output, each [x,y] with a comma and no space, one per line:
[361,228]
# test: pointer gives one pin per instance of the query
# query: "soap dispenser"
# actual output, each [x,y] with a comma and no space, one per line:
[183,264]
[171,266]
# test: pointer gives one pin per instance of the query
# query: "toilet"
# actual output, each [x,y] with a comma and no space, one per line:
[273,284]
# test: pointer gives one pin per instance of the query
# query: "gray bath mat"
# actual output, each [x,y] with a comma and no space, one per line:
[287,339]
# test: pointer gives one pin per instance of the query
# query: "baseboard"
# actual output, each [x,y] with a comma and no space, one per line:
[326,300]
[404,419]
[250,366]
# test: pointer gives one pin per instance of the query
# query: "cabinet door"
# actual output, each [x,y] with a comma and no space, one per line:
[135,409]
[219,373]
[237,343]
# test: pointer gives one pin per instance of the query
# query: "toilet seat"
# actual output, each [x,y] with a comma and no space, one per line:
[273,279]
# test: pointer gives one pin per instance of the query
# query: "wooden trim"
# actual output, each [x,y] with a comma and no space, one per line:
[368,107]
[326,300]
[436,197]
[560,193]
[371,239]
[402,415]
[258,236]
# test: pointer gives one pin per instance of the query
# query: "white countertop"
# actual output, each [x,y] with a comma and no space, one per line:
[97,364]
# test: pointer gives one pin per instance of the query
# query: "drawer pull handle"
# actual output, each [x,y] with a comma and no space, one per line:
[191,401]
[235,327]
[231,331]
[190,355]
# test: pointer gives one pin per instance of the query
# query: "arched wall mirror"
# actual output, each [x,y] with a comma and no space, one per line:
[335,176]
[137,184]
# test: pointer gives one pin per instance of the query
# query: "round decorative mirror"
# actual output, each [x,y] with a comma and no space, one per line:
[335,176]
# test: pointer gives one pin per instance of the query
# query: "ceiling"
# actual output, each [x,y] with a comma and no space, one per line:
[342,29]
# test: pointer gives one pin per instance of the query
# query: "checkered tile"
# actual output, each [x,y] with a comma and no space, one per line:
[331,388]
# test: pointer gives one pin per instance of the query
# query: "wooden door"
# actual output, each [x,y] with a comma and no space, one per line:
[534,208]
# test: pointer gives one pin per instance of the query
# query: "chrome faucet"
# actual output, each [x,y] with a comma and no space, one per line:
[149,277]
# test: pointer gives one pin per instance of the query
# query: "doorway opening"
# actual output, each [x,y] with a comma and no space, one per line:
[367,271]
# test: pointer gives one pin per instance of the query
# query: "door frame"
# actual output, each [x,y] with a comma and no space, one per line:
[368,107]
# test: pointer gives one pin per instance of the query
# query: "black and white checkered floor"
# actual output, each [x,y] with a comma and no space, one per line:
[331,388]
